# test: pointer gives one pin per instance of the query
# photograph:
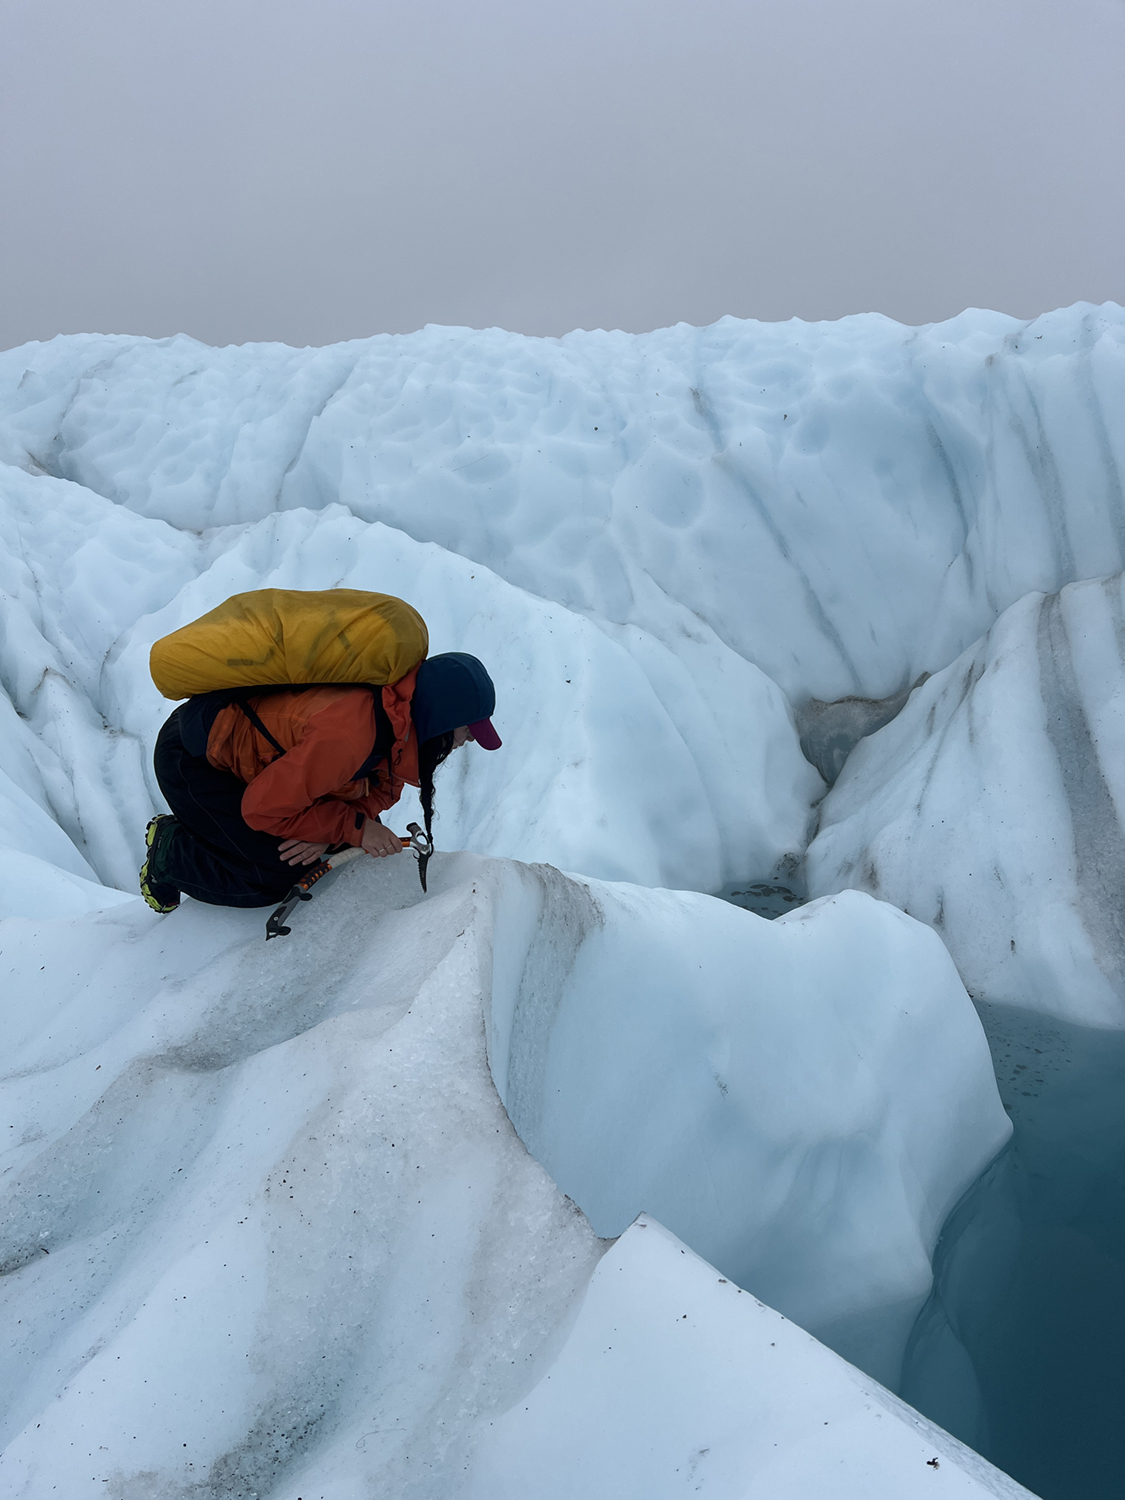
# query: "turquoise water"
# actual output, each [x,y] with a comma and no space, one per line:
[1021,1349]
[763,899]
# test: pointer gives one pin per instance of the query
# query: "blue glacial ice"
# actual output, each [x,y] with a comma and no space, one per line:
[271,1224]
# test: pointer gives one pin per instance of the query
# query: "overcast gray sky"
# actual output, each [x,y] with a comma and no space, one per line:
[319,171]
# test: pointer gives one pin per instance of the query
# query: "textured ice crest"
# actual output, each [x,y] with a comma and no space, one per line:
[992,807]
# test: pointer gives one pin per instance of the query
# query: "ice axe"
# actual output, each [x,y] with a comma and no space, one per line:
[302,891]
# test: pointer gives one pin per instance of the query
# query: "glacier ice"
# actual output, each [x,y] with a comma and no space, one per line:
[645,1071]
[267,1223]
[258,1193]
[846,505]
[671,1371]
[706,784]
[992,807]
[695,561]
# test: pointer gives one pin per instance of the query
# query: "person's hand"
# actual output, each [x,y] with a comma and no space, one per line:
[380,841]
[298,852]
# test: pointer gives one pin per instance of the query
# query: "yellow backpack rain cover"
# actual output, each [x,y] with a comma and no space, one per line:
[271,636]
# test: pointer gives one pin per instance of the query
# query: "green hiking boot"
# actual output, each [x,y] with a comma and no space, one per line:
[161,896]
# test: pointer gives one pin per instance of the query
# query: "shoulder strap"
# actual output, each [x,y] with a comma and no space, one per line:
[384,736]
[199,714]
[252,715]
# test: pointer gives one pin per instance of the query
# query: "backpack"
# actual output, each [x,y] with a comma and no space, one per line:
[270,640]
[291,638]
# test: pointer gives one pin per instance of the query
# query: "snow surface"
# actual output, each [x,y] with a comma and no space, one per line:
[268,1229]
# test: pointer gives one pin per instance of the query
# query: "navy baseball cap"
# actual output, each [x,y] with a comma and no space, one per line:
[454,689]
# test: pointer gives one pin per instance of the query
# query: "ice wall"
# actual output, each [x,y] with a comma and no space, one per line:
[622,757]
[744,1080]
[992,808]
[845,505]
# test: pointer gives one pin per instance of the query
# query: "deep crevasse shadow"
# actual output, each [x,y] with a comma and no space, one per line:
[1019,1350]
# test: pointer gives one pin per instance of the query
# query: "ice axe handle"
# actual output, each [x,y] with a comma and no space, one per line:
[302,891]
[417,841]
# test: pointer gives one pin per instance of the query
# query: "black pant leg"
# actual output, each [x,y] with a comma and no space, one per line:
[215,856]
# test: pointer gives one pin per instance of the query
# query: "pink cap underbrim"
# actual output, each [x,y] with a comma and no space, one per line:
[484,734]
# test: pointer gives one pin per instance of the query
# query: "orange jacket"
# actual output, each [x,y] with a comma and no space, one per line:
[311,792]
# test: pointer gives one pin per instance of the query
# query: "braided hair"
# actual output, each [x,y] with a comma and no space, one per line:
[431,753]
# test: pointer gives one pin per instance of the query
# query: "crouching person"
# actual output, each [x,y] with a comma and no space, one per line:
[280,776]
